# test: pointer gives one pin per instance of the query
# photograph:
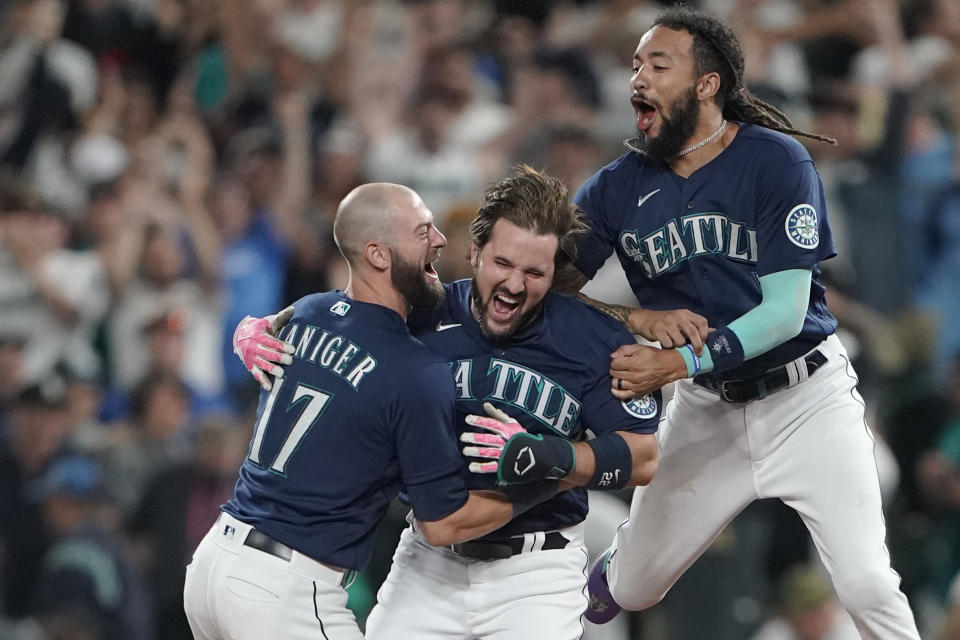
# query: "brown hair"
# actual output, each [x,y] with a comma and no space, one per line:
[535,201]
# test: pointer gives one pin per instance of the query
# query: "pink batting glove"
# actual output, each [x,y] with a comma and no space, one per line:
[502,426]
[258,349]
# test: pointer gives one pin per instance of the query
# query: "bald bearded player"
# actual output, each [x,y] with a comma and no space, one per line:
[338,437]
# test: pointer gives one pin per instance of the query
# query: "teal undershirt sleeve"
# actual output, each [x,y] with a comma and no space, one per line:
[778,317]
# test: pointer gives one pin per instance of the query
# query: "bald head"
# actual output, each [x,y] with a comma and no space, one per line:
[367,214]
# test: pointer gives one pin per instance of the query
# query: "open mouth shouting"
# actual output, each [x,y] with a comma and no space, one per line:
[503,308]
[647,111]
[429,269]
[502,315]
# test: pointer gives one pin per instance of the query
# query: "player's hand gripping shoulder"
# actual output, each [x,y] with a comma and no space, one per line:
[515,455]
[672,329]
[258,349]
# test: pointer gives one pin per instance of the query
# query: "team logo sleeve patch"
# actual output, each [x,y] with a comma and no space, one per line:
[642,407]
[340,308]
[801,226]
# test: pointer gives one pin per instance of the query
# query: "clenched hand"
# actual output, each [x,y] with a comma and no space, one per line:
[671,329]
[637,369]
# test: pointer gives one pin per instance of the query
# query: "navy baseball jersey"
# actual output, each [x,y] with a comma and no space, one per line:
[552,377]
[702,242]
[364,411]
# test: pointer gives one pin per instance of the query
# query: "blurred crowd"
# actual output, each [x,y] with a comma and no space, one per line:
[170,166]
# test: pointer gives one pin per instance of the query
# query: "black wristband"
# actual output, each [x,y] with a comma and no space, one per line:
[725,349]
[613,463]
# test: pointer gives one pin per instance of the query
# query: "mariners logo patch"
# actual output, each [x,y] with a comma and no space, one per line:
[801,226]
[642,407]
[340,308]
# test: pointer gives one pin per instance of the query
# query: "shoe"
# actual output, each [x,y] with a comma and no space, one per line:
[601,607]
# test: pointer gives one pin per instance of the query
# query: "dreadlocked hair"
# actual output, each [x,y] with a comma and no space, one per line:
[716,49]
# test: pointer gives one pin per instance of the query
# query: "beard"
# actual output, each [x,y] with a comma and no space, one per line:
[410,280]
[675,130]
[479,309]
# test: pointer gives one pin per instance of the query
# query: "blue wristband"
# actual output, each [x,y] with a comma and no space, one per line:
[725,349]
[694,358]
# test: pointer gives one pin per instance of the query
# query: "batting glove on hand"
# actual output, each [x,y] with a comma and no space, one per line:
[518,456]
[258,349]
[502,428]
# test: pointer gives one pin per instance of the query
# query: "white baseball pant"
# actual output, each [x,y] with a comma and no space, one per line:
[236,592]
[432,592]
[808,445]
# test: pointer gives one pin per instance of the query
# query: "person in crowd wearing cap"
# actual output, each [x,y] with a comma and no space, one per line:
[36,438]
[84,572]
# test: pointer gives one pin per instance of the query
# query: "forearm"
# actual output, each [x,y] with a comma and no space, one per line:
[670,328]
[483,512]
[644,460]
[778,318]
[618,312]
[206,242]
[293,196]
[120,257]
[294,193]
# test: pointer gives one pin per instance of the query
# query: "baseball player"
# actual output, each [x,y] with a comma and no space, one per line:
[513,344]
[363,411]
[718,220]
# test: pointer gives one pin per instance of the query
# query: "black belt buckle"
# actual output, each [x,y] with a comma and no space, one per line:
[759,387]
[755,388]
[722,390]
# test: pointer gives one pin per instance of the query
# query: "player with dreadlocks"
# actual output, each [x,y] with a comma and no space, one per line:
[717,216]
[717,50]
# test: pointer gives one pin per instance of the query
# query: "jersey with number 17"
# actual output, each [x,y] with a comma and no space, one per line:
[364,411]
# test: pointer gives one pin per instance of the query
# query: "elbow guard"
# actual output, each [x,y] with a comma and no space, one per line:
[613,464]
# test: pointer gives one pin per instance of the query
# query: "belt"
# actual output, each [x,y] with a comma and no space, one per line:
[766,383]
[262,542]
[500,550]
